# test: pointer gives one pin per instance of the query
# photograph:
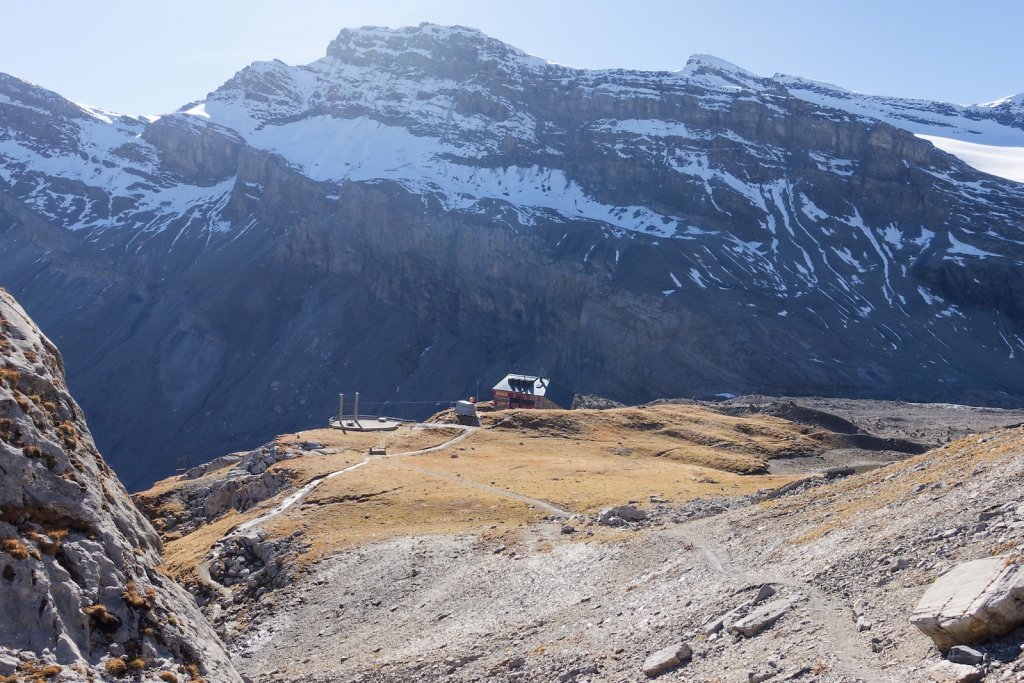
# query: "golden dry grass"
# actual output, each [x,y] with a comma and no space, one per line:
[9,375]
[133,598]
[685,433]
[34,672]
[183,555]
[385,500]
[583,475]
[116,667]
[17,549]
[580,460]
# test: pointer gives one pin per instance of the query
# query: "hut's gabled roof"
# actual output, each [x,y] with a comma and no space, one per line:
[536,386]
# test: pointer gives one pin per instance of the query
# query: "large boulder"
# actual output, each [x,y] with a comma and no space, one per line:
[971,603]
[949,672]
[623,514]
[666,659]
[761,618]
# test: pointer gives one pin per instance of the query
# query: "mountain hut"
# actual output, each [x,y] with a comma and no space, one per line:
[530,391]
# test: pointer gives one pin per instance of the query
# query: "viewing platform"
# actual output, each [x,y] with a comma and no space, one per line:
[365,424]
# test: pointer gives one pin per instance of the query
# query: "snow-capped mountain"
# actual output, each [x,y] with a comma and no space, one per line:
[989,137]
[425,208]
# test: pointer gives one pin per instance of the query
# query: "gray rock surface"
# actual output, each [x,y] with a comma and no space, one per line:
[769,669]
[973,602]
[962,654]
[666,659]
[79,563]
[761,618]
[622,514]
[948,672]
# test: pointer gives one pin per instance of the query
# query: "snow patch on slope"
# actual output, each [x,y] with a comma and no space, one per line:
[361,149]
[963,249]
[1004,162]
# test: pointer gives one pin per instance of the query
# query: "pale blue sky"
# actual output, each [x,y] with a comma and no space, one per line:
[150,57]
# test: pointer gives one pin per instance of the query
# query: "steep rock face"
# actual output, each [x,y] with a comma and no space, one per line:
[79,564]
[195,149]
[424,209]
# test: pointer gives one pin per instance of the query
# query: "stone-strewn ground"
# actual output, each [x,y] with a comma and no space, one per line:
[817,584]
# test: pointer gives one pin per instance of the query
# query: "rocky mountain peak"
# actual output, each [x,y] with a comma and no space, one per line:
[17,94]
[79,563]
[1010,100]
[1008,110]
[712,64]
[715,74]
[424,45]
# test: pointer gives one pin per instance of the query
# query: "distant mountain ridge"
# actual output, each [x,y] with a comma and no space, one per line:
[424,208]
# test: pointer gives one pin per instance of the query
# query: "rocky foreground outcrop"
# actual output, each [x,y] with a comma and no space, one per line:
[81,594]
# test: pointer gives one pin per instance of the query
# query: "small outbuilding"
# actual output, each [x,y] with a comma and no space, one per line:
[530,391]
[465,413]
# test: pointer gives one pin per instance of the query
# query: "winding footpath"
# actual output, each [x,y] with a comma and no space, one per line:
[298,496]
[304,491]
[828,611]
